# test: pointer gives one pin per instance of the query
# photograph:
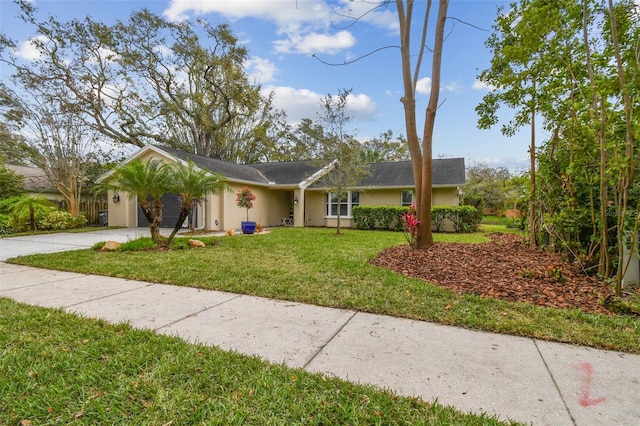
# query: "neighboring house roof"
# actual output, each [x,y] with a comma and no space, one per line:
[35,179]
[446,172]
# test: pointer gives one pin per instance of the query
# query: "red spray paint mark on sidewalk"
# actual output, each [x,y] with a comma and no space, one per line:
[585,399]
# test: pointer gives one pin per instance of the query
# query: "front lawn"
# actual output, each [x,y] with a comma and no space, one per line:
[315,266]
[58,368]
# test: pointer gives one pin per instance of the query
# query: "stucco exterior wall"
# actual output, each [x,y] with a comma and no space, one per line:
[260,213]
[445,197]
[381,197]
[314,208]
[122,213]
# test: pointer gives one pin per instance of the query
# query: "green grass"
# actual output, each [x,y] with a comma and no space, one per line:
[58,368]
[312,265]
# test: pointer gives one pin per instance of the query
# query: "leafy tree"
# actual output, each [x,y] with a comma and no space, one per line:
[148,181]
[384,148]
[303,142]
[12,144]
[58,141]
[31,206]
[11,184]
[340,147]
[574,63]
[487,183]
[148,80]
[525,45]
[192,184]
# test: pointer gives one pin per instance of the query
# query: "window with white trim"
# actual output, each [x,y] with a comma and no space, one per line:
[406,198]
[348,201]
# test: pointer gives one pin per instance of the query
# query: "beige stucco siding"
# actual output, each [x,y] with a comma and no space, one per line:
[268,208]
[445,197]
[380,197]
[122,213]
[314,208]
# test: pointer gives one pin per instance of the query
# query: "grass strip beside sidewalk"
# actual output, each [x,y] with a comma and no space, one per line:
[59,368]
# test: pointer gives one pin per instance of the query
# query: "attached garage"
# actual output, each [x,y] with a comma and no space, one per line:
[170,212]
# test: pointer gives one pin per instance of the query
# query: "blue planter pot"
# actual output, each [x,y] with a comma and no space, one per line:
[248,227]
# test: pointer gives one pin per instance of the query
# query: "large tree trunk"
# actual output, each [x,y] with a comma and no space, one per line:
[425,237]
[421,156]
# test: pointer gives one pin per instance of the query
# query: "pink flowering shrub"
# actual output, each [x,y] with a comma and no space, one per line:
[410,225]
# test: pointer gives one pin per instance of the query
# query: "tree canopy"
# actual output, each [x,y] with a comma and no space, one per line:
[147,80]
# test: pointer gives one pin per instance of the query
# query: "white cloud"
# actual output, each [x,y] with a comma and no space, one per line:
[369,12]
[286,14]
[297,103]
[261,70]
[424,86]
[28,51]
[454,87]
[304,103]
[315,43]
[361,106]
[304,25]
[479,85]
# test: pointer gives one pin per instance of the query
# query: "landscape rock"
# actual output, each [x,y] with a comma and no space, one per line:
[110,246]
[196,243]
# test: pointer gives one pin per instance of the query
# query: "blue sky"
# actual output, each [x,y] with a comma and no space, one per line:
[283,35]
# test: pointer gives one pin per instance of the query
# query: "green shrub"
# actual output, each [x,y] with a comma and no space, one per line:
[461,218]
[379,217]
[5,227]
[60,220]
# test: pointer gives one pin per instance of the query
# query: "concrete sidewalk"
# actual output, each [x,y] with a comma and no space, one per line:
[516,378]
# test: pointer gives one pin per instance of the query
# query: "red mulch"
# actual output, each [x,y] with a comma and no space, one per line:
[504,268]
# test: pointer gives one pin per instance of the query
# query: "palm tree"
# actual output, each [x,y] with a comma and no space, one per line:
[143,180]
[31,205]
[192,184]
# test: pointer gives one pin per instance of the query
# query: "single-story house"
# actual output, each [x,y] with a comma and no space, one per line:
[287,193]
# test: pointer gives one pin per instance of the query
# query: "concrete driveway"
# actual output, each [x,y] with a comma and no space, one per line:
[49,243]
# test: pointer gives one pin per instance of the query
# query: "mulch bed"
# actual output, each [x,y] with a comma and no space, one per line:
[504,268]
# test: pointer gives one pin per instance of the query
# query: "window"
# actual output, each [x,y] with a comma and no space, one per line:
[406,197]
[348,201]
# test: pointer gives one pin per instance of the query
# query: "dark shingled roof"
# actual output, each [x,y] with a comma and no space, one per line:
[446,172]
[230,170]
[35,179]
[287,172]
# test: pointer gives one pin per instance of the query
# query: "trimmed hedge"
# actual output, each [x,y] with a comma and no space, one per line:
[459,218]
